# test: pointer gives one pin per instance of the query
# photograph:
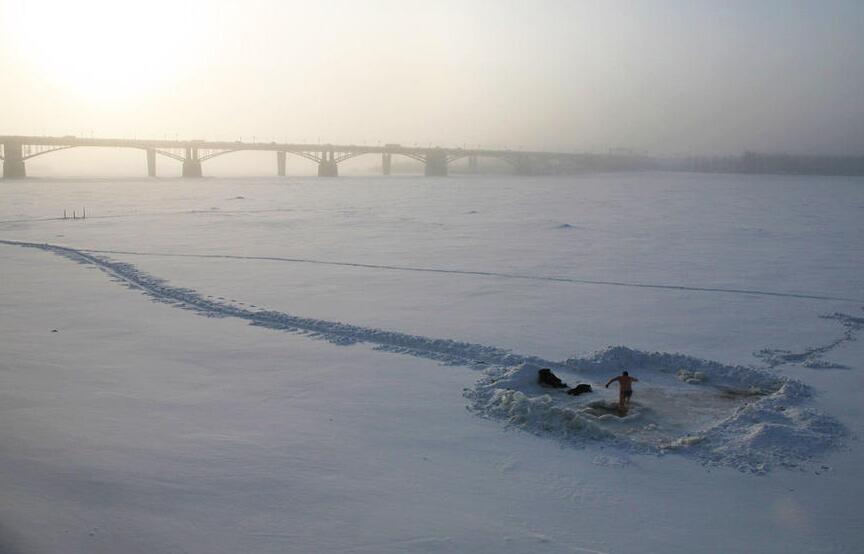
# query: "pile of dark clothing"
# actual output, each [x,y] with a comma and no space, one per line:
[546,378]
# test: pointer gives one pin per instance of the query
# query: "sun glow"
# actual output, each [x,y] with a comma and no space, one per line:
[107,51]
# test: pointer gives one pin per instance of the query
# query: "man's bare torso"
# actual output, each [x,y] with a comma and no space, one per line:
[625,382]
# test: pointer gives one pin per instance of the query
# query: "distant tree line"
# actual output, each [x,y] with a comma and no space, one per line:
[754,162]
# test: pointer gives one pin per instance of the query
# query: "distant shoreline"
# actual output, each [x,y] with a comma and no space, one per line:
[753,163]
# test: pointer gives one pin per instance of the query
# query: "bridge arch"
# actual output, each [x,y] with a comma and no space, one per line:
[16,154]
[31,152]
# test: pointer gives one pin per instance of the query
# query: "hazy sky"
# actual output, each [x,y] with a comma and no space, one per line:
[658,76]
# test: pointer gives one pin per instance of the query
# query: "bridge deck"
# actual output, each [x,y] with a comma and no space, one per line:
[267,146]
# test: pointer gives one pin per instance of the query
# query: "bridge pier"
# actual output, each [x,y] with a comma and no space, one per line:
[472,165]
[328,167]
[436,164]
[191,164]
[13,161]
[280,164]
[151,162]
[386,163]
[524,166]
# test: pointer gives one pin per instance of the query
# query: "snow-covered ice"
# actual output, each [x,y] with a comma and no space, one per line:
[749,418]
[138,426]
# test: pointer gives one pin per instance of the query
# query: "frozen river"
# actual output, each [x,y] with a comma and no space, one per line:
[137,426]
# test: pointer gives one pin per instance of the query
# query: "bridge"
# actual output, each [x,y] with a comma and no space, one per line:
[16,150]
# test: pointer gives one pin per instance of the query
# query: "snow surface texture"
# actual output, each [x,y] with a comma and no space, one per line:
[725,415]
[810,357]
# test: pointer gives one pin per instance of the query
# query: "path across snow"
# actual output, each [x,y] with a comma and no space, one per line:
[733,416]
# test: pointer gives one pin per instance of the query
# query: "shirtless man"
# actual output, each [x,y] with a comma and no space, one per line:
[625,390]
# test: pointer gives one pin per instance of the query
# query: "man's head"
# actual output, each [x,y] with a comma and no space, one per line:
[625,374]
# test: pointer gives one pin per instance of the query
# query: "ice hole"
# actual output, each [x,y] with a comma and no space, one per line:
[600,408]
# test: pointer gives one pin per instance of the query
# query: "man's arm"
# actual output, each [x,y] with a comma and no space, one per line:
[612,380]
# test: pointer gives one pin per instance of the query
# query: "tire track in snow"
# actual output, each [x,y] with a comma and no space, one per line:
[573,280]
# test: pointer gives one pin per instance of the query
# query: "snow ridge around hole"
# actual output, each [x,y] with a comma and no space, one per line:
[732,416]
